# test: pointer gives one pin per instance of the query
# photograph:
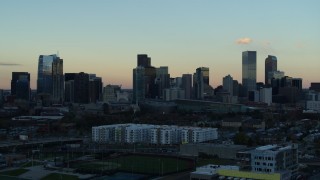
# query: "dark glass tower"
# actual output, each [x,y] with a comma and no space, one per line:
[200,81]
[143,60]
[270,66]
[249,70]
[20,85]
[57,80]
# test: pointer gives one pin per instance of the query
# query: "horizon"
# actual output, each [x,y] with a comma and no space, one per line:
[104,38]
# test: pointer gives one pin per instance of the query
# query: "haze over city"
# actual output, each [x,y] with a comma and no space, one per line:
[104,37]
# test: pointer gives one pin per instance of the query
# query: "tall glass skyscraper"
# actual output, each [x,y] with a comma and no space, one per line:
[270,66]
[50,77]
[249,70]
[57,80]
[44,82]
[20,85]
[200,81]
[139,89]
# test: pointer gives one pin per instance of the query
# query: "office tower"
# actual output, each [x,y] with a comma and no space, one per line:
[235,88]
[187,85]
[20,85]
[110,93]
[228,84]
[57,80]
[162,80]
[1,97]
[44,82]
[249,70]
[297,82]
[69,87]
[95,89]
[81,88]
[270,66]
[315,86]
[139,89]
[143,60]
[171,94]
[200,81]
[266,95]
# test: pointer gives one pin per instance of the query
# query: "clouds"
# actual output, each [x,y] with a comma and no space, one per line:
[9,64]
[244,40]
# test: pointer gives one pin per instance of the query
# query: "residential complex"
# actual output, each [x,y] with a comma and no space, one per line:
[152,134]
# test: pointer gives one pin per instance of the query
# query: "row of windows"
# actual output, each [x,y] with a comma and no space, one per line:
[264,164]
[262,170]
[263,158]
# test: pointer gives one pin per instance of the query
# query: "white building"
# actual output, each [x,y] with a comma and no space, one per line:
[275,158]
[266,95]
[153,134]
[313,101]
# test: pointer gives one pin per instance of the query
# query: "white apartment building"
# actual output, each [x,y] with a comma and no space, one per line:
[275,158]
[153,134]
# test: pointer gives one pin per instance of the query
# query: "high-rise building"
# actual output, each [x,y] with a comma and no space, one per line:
[69,87]
[20,85]
[228,84]
[81,88]
[44,82]
[266,95]
[143,60]
[187,85]
[270,66]
[249,70]
[297,82]
[57,80]
[95,89]
[315,86]
[162,80]
[110,93]
[235,88]
[200,81]
[139,89]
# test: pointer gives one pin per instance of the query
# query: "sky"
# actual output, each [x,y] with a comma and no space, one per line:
[104,37]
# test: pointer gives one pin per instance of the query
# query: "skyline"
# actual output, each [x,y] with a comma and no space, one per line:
[104,38]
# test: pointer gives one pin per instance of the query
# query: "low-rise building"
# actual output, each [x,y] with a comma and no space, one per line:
[152,134]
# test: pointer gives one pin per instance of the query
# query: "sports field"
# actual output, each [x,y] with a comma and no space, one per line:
[156,165]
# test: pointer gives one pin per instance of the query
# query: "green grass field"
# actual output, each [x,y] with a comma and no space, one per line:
[217,161]
[141,164]
[15,172]
[54,176]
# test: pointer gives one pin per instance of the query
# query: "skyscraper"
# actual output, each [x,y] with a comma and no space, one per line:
[95,89]
[139,89]
[228,84]
[162,80]
[44,82]
[187,85]
[20,85]
[69,87]
[57,80]
[200,81]
[249,70]
[81,88]
[143,60]
[270,66]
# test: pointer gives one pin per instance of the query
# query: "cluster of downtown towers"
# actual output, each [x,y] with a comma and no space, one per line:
[148,81]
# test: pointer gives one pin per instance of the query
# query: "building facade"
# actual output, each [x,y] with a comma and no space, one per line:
[275,158]
[200,82]
[20,85]
[227,83]
[270,66]
[152,134]
[249,70]
[57,80]
[187,85]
